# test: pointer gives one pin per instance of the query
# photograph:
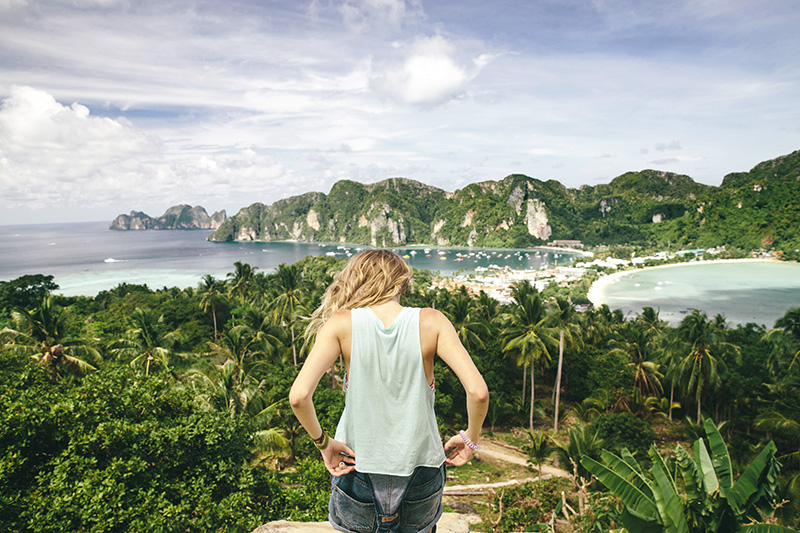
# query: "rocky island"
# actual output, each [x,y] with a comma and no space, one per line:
[749,210]
[176,217]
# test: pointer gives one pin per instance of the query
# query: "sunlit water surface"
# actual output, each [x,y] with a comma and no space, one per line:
[743,291]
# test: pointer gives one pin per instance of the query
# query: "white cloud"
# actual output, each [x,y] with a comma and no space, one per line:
[53,154]
[429,75]
[64,151]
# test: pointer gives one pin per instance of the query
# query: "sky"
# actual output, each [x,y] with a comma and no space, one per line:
[109,106]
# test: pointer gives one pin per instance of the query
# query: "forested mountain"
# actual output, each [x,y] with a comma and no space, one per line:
[749,210]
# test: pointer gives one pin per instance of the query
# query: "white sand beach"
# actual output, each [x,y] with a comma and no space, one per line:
[596,292]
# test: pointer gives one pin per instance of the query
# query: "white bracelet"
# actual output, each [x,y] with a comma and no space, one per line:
[467,441]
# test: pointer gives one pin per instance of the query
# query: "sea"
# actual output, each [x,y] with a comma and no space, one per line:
[86,258]
[743,291]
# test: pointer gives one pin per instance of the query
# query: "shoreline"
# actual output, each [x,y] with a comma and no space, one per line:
[596,293]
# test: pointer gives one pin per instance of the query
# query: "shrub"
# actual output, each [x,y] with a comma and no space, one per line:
[120,452]
[624,430]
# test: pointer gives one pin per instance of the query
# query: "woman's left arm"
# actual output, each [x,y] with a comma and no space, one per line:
[324,353]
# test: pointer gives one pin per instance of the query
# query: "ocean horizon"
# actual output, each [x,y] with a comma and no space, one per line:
[86,257]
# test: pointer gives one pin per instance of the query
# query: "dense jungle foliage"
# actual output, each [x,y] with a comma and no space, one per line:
[749,210]
[166,410]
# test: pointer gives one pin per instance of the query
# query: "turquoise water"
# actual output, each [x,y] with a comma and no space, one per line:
[745,291]
[87,258]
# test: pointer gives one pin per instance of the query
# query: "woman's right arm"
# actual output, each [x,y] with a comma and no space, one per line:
[453,353]
[326,350]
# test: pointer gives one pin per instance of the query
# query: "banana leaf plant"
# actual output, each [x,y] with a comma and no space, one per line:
[699,495]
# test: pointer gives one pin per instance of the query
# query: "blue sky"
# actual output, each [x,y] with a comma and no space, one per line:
[107,106]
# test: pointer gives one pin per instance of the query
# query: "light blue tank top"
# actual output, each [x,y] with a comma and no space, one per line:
[388,419]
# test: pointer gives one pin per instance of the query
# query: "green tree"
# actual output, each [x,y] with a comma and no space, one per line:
[287,304]
[145,343]
[785,340]
[241,280]
[704,359]
[25,292]
[461,313]
[210,294]
[539,447]
[239,346]
[562,316]
[42,334]
[119,451]
[225,389]
[526,334]
[640,348]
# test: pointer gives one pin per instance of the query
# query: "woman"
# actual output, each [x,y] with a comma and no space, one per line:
[386,458]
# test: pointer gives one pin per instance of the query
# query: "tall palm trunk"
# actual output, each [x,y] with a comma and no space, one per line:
[294,348]
[533,394]
[558,378]
[698,408]
[524,382]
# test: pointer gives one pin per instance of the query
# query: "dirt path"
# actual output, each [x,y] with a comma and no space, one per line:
[496,452]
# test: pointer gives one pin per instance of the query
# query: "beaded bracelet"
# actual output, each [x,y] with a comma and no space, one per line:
[467,441]
[322,441]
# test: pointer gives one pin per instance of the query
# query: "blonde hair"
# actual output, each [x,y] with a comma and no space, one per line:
[369,278]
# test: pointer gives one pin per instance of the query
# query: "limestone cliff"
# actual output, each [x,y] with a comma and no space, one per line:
[647,206]
[176,217]
[390,212]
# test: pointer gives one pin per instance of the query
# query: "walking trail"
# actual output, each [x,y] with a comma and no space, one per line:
[494,452]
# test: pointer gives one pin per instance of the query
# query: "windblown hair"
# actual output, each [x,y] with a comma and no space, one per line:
[370,278]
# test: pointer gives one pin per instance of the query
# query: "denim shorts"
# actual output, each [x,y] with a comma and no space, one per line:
[375,502]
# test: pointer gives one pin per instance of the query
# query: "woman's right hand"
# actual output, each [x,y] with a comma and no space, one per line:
[459,452]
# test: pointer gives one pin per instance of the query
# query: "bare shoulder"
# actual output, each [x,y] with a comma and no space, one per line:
[339,322]
[432,320]
[431,313]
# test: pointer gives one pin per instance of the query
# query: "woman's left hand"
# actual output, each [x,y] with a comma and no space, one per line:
[336,463]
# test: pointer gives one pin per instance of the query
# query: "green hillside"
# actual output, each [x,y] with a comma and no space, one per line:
[749,210]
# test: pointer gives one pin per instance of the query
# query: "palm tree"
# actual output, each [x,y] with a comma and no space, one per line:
[650,320]
[488,306]
[595,326]
[564,318]
[241,279]
[226,389]
[209,293]
[145,342]
[672,352]
[287,305]
[41,334]
[266,327]
[639,346]
[785,340]
[460,312]
[582,441]
[239,346]
[703,362]
[782,416]
[526,334]
[539,449]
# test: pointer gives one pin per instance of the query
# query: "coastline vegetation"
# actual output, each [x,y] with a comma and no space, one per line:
[166,410]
